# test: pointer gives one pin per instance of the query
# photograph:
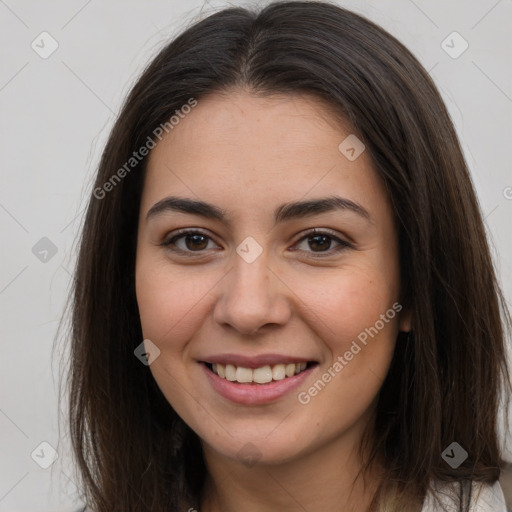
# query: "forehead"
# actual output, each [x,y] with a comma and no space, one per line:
[248,150]
[242,123]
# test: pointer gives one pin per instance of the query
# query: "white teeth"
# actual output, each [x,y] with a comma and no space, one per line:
[230,372]
[278,372]
[261,375]
[290,370]
[243,374]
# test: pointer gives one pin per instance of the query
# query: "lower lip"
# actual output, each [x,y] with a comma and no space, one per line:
[255,394]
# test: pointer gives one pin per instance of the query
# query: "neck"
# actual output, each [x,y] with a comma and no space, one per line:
[325,479]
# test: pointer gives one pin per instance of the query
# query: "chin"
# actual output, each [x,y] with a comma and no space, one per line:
[250,449]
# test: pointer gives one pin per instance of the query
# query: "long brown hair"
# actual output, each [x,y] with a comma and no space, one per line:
[132,451]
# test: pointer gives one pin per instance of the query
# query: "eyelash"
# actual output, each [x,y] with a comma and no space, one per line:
[310,234]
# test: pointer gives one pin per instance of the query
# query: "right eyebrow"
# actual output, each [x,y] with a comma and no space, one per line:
[186,205]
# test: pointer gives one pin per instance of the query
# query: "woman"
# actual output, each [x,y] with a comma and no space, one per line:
[284,298]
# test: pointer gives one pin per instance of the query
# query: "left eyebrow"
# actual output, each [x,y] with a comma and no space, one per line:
[284,212]
[302,209]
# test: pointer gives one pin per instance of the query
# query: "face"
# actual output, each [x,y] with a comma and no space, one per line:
[275,321]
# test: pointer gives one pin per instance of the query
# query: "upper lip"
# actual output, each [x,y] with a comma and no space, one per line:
[255,361]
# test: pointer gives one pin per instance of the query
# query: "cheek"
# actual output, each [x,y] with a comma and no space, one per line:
[357,319]
[170,302]
[171,308]
[347,303]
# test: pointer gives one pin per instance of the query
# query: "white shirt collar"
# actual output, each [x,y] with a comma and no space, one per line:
[484,498]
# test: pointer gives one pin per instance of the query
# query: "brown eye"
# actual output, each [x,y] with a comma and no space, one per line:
[188,242]
[193,242]
[317,243]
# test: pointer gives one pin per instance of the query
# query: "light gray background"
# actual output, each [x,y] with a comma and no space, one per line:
[55,117]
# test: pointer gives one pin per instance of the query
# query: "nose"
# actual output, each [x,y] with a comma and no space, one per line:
[252,296]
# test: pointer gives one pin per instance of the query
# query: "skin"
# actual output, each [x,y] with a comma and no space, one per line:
[248,155]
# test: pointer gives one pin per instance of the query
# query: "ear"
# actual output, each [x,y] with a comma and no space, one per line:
[405,323]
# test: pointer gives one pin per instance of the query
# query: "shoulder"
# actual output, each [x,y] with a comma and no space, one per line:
[484,498]
[489,498]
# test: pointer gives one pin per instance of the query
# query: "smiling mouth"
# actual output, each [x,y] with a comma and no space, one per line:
[263,375]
